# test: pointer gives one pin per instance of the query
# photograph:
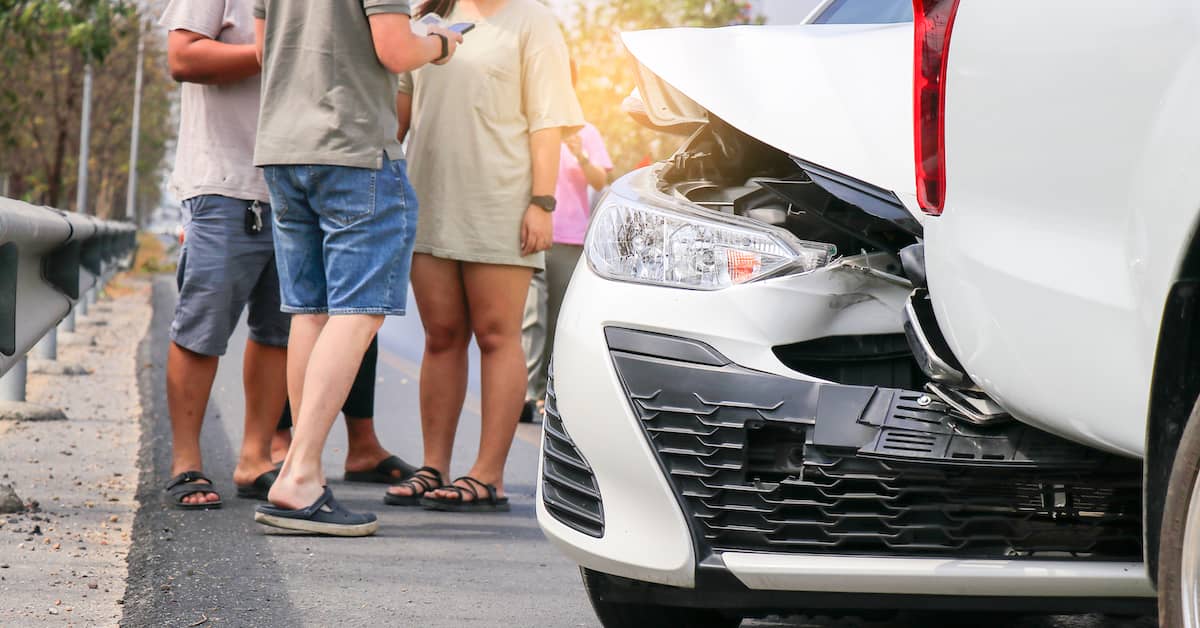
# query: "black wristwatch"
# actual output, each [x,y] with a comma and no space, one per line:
[547,203]
[445,46]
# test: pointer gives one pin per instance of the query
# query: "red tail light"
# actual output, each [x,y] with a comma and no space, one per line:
[932,23]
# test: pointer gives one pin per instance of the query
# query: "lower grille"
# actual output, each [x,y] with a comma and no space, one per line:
[569,488]
[748,459]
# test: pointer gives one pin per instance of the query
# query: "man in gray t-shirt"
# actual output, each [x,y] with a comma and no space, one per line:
[345,217]
[227,262]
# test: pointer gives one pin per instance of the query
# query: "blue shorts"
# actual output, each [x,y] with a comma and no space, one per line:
[343,237]
[222,269]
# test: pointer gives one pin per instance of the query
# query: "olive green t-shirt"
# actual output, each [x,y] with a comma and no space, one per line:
[326,99]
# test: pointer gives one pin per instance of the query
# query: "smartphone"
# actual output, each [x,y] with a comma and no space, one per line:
[462,28]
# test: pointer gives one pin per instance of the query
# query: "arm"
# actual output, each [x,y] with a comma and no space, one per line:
[537,230]
[597,177]
[403,114]
[260,38]
[401,50]
[194,58]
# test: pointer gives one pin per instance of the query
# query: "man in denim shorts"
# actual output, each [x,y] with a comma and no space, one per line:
[345,214]
[228,260]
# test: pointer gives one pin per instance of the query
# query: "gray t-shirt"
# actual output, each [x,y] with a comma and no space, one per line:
[215,152]
[326,98]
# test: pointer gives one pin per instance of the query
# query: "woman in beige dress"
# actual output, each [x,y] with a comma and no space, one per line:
[483,153]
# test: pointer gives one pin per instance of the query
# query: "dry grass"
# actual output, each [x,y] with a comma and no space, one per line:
[152,257]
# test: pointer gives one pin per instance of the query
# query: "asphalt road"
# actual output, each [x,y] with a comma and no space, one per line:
[423,568]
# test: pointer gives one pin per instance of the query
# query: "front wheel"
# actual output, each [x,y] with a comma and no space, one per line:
[1179,542]
[622,615]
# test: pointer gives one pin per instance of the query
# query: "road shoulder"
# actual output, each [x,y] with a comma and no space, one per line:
[63,560]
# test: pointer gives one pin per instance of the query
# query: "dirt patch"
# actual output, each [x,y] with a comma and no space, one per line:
[63,560]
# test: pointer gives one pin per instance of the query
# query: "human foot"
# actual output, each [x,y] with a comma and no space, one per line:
[188,490]
[467,494]
[323,516]
[389,470]
[292,492]
[410,491]
[248,472]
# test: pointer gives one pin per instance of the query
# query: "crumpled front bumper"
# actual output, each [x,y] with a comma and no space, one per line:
[708,472]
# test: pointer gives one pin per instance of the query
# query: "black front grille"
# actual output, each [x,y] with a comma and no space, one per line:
[738,447]
[569,488]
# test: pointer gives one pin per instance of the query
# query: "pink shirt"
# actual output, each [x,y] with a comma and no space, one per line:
[571,213]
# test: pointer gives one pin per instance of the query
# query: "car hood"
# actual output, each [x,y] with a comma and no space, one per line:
[838,96]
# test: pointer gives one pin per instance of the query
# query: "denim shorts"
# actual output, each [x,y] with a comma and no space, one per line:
[222,269]
[343,237]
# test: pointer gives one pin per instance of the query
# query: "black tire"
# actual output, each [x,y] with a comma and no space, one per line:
[1174,526]
[618,615]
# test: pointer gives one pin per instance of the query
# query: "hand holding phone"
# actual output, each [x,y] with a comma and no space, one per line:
[462,28]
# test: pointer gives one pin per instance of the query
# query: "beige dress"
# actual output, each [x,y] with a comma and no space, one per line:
[468,151]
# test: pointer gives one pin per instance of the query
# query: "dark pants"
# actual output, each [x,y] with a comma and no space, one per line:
[360,403]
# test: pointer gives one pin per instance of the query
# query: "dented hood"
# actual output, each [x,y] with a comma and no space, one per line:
[838,96]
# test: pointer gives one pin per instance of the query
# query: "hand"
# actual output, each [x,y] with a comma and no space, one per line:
[452,37]
[537,230]
[575,145]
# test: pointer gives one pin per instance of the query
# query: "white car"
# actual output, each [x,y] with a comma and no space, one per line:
[786,380]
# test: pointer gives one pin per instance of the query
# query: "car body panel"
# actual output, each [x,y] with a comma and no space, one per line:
[940,576]
[645,535]
[839,96]
[1050,265]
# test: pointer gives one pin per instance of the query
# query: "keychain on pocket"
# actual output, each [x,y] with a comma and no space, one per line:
[254,222]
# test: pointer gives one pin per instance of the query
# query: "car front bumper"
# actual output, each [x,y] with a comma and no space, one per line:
[648,534]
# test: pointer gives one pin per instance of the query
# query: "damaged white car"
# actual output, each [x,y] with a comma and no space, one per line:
[738,423]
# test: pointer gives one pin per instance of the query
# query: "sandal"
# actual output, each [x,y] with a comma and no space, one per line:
[185,484]
[259,488]
[478,503]
[419,483]
[324,516]
[384,472]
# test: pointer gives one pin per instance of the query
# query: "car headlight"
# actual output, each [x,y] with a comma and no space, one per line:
[657,240]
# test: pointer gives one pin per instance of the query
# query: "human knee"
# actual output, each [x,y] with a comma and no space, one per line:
[492,337]
[441,337]
[309,321]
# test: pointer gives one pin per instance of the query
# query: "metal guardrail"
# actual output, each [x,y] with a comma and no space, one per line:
[52,263]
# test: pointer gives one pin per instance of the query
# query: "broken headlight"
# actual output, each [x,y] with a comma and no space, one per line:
[652,238]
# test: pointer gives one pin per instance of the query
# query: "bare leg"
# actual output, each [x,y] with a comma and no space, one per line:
[264,379]
[189,381]
[329,366]
[496,297]
[364,451]
[437,284]
[280,441]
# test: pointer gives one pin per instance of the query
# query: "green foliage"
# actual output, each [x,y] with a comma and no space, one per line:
[606,71]
[41,102]
[89,25]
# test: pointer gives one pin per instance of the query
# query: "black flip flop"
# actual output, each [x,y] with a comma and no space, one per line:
[259,488]
[423,481]
[383,472]
[325,516]
[187,483]
[478,503]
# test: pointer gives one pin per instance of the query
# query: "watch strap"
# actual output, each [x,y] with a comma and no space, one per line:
[547,203]
[445,46]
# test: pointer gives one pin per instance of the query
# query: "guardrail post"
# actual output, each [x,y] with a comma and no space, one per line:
[47,347]
[12,384]
[68,324]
